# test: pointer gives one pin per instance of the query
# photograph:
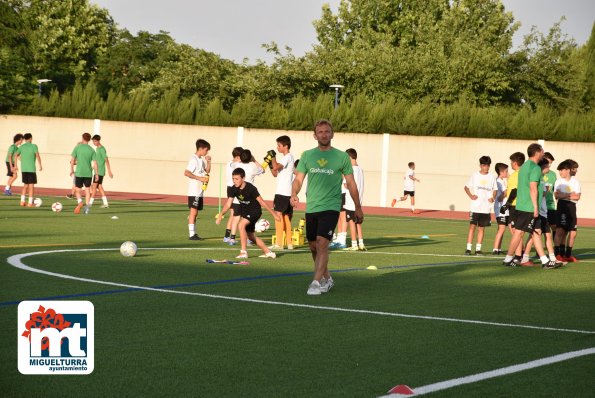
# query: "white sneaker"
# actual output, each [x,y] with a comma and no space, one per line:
[289,247]
[269,255]
[105,206]
[326,285]
[314,288]
[243,254]
[362,248]
[275,247]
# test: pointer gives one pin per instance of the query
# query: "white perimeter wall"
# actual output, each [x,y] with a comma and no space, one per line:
[151,158]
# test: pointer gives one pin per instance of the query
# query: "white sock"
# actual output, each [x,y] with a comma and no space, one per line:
[552,257]
[6,188]
[91,201]
[478,247]
[342,237]
[354,243]
[104,199]
[30,199]
[508,258]
[361,242]
[191,230]
[468,246]
[79,200]
[525,258]
[22,198]
[544,259]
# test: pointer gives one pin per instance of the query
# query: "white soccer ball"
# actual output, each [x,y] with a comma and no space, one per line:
[57,207]
[37,202]
[262,225]
[128,249]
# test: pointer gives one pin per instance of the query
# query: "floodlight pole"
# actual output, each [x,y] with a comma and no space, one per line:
[39,83]
[336,87]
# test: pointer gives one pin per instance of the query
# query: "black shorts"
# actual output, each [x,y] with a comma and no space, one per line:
[236,209]
[80,181]
[322,223]
[350,215]
[502,220]
[29,177]
[9,172]
[343,196]
[253,218]
[410,193]
[512,215]
[525,221]
[98,181]
[480,219]
[282,204]
[195,202]
[567,215]
[542,224]
[552,217]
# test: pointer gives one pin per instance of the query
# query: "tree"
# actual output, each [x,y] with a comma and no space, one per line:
[589,94]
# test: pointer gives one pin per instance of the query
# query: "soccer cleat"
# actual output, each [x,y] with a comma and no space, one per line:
[226,239]
[551,264]
[362,248]
[105,206]
[527,264]
[559,258]
[268,255]
[393,203]
[243,254]
[340,246]
[467,252]
[7,192]
[30,205]
[250,243]
[195,237]
[70,196]
[496,252]
[78,208]
[326,285]
[231,242]
[276,247]
[512,263]
[478,252]
[351,249]
[314,289]
[570,259]
[23,204]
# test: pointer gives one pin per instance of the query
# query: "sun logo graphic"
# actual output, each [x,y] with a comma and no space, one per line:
[56,337]
[322,162]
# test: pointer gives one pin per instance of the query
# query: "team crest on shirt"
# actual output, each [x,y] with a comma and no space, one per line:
[322,162]
[241,197]
[545,178]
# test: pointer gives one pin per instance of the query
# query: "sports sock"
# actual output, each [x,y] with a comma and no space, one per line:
[104,200]
[23,198]
[191,230]
[341,237]
[563,250]
[469,246]
[552,257]
[232,237]
[91,201]
[544,259]
[30,199]
[525,258]
[508,258]
[568,251]
[478,247]
[79,200]
[227,233]
[557,250]
[360,242]
[354,243]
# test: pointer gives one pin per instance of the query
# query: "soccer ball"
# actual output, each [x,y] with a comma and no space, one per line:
[57,207]
[262,225]
[128,249]
[37,202]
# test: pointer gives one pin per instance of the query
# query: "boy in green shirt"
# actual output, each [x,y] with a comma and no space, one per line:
[83,156]
[28,153]
[102,164]
[11,163]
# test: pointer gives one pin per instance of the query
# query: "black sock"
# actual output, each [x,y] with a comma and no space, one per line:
[563,250]
[556,250]
[568,251]
[232,237]
[227,233]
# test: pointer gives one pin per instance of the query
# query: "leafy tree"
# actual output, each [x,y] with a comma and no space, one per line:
[589,94]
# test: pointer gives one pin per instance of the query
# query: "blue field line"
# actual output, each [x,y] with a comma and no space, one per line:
[244,279]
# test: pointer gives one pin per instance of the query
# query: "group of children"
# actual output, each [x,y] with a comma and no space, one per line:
[530,200]
[91,165]
[245,203]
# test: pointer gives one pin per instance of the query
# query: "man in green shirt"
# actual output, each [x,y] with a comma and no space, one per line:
[102,164]
[11,163]
[529,196]
[83,156]
[325,166]
[28,153]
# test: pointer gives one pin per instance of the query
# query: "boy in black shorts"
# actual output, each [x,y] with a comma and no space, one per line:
[251,204]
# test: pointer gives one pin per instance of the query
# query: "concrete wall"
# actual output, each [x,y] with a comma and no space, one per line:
[151,158]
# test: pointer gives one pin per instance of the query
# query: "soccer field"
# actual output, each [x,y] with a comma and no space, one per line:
[169,324]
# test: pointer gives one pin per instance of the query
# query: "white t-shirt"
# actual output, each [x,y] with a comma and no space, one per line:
[231,166]
[501,184]
[251,169]
[482,185]
[196,166]
[285,175]
[358,176]
[409,184]
[564,186]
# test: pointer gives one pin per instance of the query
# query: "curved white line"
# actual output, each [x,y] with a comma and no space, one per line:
[15,261]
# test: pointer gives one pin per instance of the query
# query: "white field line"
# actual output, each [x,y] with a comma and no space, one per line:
[495,373]
[15,261]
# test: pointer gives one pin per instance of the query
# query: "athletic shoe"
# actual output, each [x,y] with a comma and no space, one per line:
[512,263]
[314,289]
[332,245]
[231,242]
[339,246]
[551,264]
[467,252]
[275,247]
[70,196]
[30,205]
[289,247]
[195,237]
[570,259]
[243,254]
[559,258]
[496,252]
[226,239]
[23,204]
[351,249]
[326,285]
[393,203]
[527,264]
[105,206]
[78,208]
[7,192]
[478,252]
[362,248]
[268,255]
[249,243]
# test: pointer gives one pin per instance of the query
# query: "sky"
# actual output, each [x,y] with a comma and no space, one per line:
[236,29]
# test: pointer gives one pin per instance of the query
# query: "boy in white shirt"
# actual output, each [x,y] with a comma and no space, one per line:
[197,171]
[283,171]
[357,235]
[501,219]
[409,187]
[481,189]
[230,231]
[567,191]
